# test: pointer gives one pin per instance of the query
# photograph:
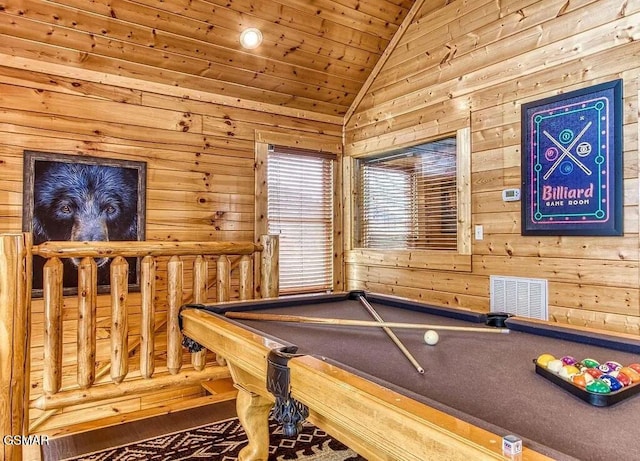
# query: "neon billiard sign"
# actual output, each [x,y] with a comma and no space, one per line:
[572,163]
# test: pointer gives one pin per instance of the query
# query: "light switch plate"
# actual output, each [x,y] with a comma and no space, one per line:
[479,232]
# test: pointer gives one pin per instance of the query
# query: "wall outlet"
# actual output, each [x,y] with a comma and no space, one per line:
[479,232]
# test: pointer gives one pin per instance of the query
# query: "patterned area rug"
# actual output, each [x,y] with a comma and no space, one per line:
[222,441]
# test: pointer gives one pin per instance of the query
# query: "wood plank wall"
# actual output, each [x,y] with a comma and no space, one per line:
[199,150]
[474,63]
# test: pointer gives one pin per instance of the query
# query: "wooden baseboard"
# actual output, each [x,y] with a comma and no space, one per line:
[142,414]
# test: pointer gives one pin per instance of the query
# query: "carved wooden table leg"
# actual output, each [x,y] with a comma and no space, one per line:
[253,412]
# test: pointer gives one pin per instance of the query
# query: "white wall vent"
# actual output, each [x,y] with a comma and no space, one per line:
[523,297]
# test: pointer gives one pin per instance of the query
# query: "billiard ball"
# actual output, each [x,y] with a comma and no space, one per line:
[598,386]
[591,363]
[635,366]
[633,375]
[554,366]
[567,371]
[544,359]
[613,366]
[604,368]
[612,382]
[582,379]
[431,337]
[595,372]
[624,379]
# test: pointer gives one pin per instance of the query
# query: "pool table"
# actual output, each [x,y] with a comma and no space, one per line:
[477,386]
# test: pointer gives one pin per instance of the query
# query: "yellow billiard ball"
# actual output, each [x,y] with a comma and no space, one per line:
[544,359]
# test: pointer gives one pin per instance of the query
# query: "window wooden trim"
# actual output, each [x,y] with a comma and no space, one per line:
[459,260]
[305,141]
[463,143]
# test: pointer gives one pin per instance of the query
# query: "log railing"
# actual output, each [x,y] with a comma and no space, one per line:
[16,253]
[15,307]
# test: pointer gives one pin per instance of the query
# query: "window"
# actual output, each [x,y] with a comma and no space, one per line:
[300,211]
[408,198]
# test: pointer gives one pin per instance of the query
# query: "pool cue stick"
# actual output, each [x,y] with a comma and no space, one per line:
[356,323]
[391,335]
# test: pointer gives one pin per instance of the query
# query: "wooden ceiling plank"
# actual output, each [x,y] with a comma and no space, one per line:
[381,9]
[161,60]
[314,59]
[438,48]
[214,29]
[67,63]
[159,40]
[271,14]
[381,62]
[531,38]
[488,29]
[352,18]
[587,46]
[406,4]
[420,40]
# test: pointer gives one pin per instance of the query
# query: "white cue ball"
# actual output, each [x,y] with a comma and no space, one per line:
[431,337]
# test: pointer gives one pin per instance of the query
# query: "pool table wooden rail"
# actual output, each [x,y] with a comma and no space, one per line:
[378,423]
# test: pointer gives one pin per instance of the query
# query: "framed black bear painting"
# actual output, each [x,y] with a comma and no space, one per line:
[80,198]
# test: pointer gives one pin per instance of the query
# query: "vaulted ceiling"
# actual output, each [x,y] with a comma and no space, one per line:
[316,54]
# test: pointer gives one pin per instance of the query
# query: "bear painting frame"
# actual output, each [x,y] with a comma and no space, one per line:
[83,198]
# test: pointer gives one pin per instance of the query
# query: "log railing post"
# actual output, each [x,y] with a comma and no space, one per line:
[148,314]
[52,296]
[119,319]
[86,335]
[200,275]
[269,266]
[223,278]
[245,277]
[15,333]
[174,293]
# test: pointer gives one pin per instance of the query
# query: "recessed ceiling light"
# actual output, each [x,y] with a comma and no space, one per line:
[251,38]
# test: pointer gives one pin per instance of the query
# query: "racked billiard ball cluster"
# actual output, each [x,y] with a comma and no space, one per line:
[591,375]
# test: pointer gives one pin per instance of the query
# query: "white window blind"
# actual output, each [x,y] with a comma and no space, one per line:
[300,211]
[408,198]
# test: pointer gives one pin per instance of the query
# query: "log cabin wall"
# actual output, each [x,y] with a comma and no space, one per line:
[198,143]
[69,84]
[473,64]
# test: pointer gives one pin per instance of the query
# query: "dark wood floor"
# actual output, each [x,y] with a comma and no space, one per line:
[74,445]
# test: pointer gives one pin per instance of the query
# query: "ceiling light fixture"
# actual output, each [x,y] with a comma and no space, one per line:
[251,38]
